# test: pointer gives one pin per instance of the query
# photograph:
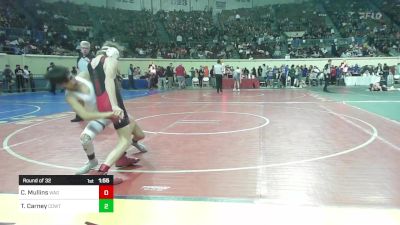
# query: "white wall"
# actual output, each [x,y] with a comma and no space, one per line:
[234,4]
[98,3]
[127,4]
[200,4]
[170,5]
[272,2]
[39,63]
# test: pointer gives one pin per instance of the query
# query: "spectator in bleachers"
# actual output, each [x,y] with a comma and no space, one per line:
[261,32]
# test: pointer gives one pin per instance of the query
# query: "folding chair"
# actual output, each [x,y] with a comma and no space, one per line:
[262,82]
[276,83]
[206,81]
[396,79]
[195,81]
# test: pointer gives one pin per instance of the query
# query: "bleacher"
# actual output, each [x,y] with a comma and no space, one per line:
[260,32]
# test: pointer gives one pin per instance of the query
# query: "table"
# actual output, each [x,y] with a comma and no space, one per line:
[246,83]
[363,80]
[137,83]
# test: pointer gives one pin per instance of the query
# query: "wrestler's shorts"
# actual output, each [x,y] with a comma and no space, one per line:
[104,105]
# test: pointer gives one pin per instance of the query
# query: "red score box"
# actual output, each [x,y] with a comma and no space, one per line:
[106,192]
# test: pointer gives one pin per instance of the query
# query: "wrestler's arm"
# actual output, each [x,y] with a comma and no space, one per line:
[83,113]
[85,75]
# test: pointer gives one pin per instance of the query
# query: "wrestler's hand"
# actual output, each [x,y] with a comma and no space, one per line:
[109,115]
[117,111]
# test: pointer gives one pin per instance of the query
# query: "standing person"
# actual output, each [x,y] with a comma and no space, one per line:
[180,75]
[26,77]
[32,81]
[236,79]
[131,72]
[8,78]
[80,89]
[253,73]
[385,73]
[285,76]
[152,75]
[82,63]
[327,71]
[52,85]
[103,71]
[218,71]
[292,74]
[162,82]
[170,76]
[212,75]
[201,76]
[264,72]
[74,72]
[333,75]
[259,71]
[84,56]
[19,77]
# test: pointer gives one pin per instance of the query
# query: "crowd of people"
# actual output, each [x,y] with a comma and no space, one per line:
[20,79]
[303,16]
[260,32]
[295,76]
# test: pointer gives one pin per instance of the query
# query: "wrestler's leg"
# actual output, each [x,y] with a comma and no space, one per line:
[124,135]
[137,135]
[87,136]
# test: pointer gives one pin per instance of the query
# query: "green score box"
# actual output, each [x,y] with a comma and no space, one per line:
[106,205]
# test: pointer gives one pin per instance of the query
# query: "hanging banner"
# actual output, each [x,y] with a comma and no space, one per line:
[368,15]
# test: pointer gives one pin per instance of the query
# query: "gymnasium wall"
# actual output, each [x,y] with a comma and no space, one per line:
[39,63]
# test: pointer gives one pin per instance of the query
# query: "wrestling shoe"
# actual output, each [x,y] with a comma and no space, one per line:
[91,164]
[141,147]
[126,161]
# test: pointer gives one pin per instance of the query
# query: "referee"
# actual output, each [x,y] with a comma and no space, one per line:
[327,74]
[218,71]
[82,64]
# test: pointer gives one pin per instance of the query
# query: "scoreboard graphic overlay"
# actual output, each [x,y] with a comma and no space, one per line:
[79,193]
